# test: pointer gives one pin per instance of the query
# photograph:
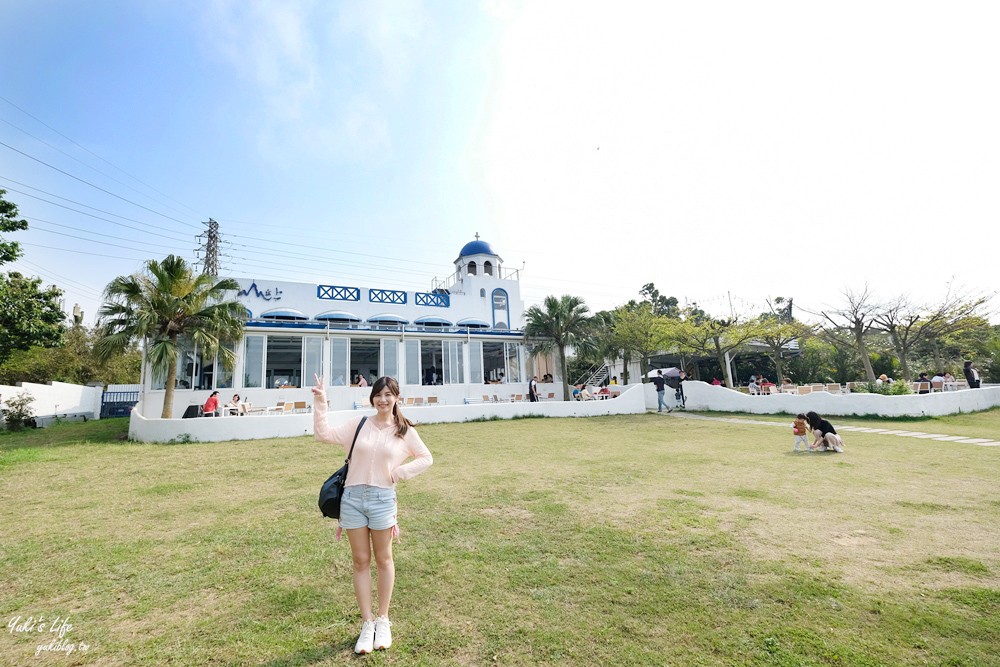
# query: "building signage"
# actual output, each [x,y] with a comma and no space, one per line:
[267,294]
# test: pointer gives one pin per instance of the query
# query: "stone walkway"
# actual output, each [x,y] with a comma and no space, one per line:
[982,442]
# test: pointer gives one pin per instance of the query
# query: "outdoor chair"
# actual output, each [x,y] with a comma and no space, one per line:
[276,409]
[789,389]
[288,408]
[818,387]
[300,406]
[487,399]
[921,386]
[419,400]
[834,388]
[774,390]
[408,401]
[805,389]
[432,400]
[937,386]
[496,399]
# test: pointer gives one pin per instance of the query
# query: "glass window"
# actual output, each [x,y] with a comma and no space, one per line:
[493,361]
[476,362]
[501,318]
[313,350]
[412,362]
[283,365]
[338,358]
[364,359]
[390,358]
[224,378]
[454,363]
[513,362]
[253,361]
[188,364]
[204,374]
[431,361]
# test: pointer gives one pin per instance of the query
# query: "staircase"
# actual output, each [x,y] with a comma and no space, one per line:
[594,376]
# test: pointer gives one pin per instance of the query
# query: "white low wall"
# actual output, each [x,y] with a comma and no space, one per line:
[217,429]
[58,398]
[340,398]
[702,396]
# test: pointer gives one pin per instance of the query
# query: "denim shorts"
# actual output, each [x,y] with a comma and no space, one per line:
[364,506]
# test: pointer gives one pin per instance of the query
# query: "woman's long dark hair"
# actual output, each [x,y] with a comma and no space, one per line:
[402,423]
[814,419]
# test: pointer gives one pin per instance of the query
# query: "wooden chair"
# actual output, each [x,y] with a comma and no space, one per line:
[805,389]
[408,401]
[419,400]
[496,399]
[789,389]
[818,387]
[774,390]
[834,388]
[300,406]
[937,386]
[516,398]
[921,386]
[432,400]
[487,399]
[743,390]
[288,408]
[276,409]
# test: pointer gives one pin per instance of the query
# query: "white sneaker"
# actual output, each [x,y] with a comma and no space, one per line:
[383,635]
[366,639]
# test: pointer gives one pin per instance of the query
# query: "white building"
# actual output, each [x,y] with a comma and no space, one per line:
[450,342]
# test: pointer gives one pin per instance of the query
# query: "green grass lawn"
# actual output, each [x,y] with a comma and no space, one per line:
[631,540]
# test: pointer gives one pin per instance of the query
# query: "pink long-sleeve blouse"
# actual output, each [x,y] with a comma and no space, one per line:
[378,454]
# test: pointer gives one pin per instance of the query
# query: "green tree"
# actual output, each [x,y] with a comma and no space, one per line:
[660,303]
[72,361]
[777,334]
[710,337]
[9,250]
[639,330]
[559,323]
[29,314]
[169,300]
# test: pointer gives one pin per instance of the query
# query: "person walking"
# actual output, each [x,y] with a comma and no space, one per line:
[368,507]
[660,391]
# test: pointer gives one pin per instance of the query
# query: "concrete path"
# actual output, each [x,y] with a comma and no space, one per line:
[982,442]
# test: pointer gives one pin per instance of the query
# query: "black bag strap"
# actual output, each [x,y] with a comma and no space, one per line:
[347,461]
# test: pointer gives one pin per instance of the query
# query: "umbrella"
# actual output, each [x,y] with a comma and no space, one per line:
[667,372]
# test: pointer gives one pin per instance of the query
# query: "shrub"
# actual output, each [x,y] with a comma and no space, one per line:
[18,412]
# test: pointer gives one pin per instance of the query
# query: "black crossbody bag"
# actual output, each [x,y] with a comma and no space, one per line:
[332,490]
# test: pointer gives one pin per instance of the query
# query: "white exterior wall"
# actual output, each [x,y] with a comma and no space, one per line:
[143,429]
[58,398]
[703,396]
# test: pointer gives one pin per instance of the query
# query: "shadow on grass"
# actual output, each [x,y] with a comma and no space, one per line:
[311,656]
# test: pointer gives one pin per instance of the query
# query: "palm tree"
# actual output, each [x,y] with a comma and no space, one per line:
[560,322]
[159,306]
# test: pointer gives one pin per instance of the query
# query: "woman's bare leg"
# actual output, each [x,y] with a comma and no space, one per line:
[361,555]
[386,568]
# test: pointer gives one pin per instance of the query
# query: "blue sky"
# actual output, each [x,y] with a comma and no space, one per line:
[719,151]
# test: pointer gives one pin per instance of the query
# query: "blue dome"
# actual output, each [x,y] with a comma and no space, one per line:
[476,248]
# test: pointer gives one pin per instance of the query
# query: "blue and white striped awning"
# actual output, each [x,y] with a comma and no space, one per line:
[436,321]
[283,314]
[473,323]
[337,316]
[388,318]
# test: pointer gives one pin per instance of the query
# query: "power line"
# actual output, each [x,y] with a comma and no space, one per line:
[97,187]
[110,236]
[83,252]
[73,157]
[137,180]
[97,217]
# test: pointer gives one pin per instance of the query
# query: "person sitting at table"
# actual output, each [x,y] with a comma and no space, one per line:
[786,382]
[923,378]
[235,407]
[752,385]
[949,381]
[938,377]
[211,407]
[716,382]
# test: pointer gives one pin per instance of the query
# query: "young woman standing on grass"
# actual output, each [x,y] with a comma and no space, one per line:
[368,508]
